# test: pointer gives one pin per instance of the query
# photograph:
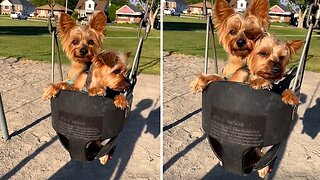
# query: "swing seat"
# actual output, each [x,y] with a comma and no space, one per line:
[82,122]
[237,119]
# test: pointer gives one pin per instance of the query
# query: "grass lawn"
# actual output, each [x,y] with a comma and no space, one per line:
[31,39]
[187,36]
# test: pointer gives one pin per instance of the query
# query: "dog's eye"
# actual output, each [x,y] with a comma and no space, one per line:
[75,42]
[281,58]
[118,71]
[90,42]
[232,32]
[263,54]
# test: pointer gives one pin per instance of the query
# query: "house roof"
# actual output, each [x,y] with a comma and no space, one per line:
[129,9]
[200,5]
[100,5]
[21,2]
[178,1]
[56,7]
[279,9]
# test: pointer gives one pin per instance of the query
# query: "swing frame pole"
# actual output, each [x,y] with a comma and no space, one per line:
[3,122]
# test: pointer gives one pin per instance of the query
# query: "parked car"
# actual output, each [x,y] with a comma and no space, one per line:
[167,12]
[18,15]
[32,14]
[185,11]
[175,13]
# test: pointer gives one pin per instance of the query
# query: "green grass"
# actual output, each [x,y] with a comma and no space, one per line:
[31,40]
[187,36]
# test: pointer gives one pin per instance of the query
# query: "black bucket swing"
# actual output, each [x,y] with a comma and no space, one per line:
[237,119]
[88,127]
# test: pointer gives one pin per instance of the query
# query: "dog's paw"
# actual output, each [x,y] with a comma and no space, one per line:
[260,84]
[263,172]
[96,92]
[203,81]
[289,97]
[50,92]
[104,159]
[120,101]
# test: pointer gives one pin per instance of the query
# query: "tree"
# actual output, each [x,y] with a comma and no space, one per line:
[273,2]
[119,2]
[302,6]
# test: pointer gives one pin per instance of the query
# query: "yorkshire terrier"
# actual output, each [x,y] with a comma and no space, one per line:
[81,42]
[237,33]
[107,71]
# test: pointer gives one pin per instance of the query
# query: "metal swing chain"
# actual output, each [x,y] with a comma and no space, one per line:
[142,36]
[312,21]
[54,42]
[209,27]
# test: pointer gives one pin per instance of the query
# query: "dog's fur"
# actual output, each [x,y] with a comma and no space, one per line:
[81,42]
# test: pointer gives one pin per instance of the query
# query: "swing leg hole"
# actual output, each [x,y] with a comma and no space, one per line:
[92,149]
[251,157]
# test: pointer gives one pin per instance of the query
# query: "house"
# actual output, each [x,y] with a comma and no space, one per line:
[280,13]
[198,8]
[239,5]
[177,5]
[22,6]
[44,11]
[86,8]
[128,14]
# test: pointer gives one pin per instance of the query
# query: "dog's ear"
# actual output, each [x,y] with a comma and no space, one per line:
[98,22]
[66,23]
[222,11]
[294,45]
[260,9]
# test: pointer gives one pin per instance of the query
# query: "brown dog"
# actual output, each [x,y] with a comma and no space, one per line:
[81,42]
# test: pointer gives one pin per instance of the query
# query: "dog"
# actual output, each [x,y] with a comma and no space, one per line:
[267,64]
[81,42]
[237,32]
[108,71]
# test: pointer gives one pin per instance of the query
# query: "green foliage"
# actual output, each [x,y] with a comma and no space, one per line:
[75,15]
[301,3]
[112,12]
[193,1]
[38,3]
[72,4]
[119,2]
[274,2]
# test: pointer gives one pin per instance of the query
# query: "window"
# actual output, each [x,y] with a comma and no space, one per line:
[89,6]
[241,5]
[6,7]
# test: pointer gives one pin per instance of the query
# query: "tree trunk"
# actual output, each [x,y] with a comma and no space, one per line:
[300,21]
[152,16]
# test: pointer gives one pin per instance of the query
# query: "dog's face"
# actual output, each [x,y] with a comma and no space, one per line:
[270,57]
[82,42]
[109,68]
[238,32]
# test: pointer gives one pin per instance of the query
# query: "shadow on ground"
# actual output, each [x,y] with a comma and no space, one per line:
[125,145]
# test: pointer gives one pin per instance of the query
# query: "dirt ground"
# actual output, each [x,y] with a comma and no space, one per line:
[187,153]
[34,151]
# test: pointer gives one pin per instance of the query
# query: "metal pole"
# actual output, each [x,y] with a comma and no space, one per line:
[3,122]
[66,11]
[205,71]
[59,59]
[52,57]
[215,61]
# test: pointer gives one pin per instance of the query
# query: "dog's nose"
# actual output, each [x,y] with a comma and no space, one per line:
[276,69]
[241,42]
[83,51]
